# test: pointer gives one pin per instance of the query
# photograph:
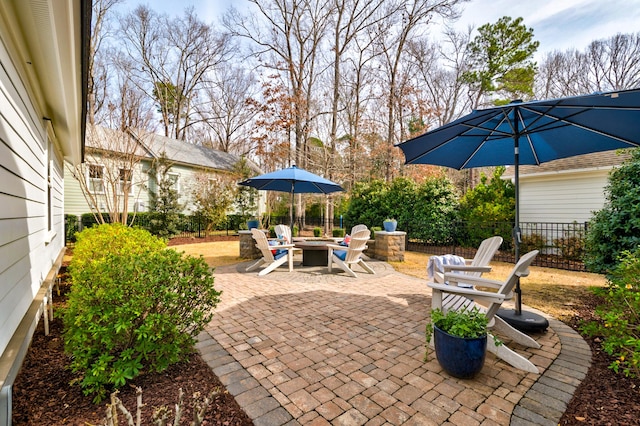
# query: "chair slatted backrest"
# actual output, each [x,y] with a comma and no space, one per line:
[284,232]
[263,245]
[521,269]
[486,251]
[357,245]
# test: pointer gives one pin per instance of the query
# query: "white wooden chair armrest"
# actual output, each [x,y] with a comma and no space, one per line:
[452,278]
[466,268]
[468,292]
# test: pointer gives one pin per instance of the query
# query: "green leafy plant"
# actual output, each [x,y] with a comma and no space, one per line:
[338,232]
[619,324]
[615,228]
[317,232]
[466,324]
[134,306]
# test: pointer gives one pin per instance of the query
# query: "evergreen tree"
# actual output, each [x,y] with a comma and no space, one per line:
[501,61]
[165,205]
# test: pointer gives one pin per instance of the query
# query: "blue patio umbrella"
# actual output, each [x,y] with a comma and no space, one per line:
[294,181]
[531,133]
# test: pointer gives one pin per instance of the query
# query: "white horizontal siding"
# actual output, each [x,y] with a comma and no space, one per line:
[27,249]
[566,197]
[76,204]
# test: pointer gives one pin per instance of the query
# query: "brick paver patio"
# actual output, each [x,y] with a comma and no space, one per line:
[312,348]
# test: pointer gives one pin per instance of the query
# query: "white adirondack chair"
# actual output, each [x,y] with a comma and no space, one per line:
[451,297]
[283,232]
[284,253]
[476,266]
[346,257]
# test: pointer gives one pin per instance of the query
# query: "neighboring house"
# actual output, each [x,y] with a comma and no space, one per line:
[43,80]
[565,190]
[189,162]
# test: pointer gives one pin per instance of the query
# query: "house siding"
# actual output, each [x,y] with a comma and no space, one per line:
[565,198]
[40,124]
[76,204]
[25,259]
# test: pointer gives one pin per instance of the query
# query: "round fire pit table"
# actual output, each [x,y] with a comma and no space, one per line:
[314,253]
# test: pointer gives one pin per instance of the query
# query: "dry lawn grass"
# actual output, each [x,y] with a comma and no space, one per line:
[553,291]
[217,253]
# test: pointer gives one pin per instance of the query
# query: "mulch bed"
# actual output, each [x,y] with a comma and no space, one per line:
[603,397]
[42,394]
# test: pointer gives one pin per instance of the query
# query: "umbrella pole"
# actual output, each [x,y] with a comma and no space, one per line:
[292,208]
[516,228]
[527,321]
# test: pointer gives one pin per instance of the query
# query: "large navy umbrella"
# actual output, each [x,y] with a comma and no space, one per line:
[531,133]
[294,181]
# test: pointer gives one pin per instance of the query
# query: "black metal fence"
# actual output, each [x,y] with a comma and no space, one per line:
[561,245]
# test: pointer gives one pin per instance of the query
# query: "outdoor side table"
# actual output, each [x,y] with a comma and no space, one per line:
[314,253]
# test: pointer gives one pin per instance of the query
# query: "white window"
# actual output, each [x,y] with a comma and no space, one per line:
[95,178]
[175,181]
[124,184]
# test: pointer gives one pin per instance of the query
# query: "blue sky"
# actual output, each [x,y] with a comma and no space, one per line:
[557,24]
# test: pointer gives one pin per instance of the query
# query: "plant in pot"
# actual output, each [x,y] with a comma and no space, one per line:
[253,223]
[460,340]
[390,225]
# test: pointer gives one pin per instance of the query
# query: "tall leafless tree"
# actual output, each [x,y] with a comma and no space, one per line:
[175,58]
[227,111]
[408,18]
[101,30]
[606,64]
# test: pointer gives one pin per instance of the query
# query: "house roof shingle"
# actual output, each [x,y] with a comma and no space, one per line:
[187,153]
[151,145]
[578,162]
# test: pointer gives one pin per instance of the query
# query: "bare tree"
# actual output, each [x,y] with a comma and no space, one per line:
[175,57]
[439,77]
[408,17]
[228,109]
[286,37]
[110,176]
[607,64]
[97,66]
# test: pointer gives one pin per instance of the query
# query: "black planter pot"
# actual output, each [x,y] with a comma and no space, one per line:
[458,356]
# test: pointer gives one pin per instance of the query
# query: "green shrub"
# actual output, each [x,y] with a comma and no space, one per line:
[619,327]
[375,229]
[338,232]
[97,241]
[317,232]
[615,228]
[134,306]
[71,223]
[532,242]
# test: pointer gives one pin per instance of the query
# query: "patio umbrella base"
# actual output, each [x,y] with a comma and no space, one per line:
[525,321]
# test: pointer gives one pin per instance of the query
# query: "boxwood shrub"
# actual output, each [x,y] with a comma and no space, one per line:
[134,306]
